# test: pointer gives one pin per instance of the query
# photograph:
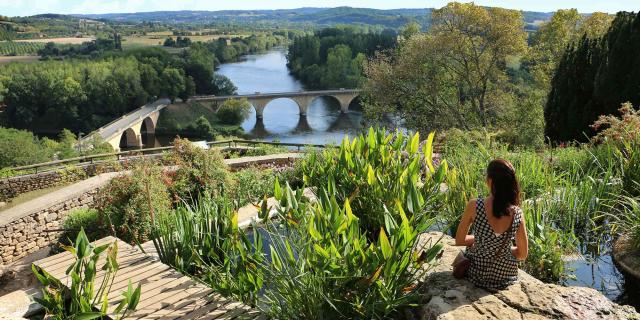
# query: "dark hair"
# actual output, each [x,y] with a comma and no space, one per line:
[504,186]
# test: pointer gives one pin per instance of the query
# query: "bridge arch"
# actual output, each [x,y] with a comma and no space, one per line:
[147,131]
[129,139]
[261,105]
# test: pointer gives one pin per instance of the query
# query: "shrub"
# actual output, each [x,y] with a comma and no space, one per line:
[129,202]
[625,214]
[376,170]
[234,111]
[252,184]
[324,266]
[198,171]
[87,219]
[201,128]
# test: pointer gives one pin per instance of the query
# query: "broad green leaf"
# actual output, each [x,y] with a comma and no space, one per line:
[277,192]
[428,152]
[321,251]
[234,220]
[371,175]
[385,246]
[313,231]
[414,144]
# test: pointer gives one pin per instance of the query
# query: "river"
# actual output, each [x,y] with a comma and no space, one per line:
[267,72]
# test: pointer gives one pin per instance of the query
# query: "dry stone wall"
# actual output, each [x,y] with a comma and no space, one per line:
[28,234]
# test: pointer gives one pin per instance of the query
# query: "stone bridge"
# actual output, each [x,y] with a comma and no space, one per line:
[303,99]
[129,130]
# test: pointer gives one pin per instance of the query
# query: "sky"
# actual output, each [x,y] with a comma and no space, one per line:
[31,7]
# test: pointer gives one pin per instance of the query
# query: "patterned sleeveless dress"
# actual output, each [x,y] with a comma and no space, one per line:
[493,266]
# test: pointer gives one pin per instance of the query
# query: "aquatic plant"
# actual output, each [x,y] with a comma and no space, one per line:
[324,266]
[376,170]
[203,240]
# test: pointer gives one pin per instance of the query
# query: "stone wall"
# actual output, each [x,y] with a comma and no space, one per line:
[12,187]
[27,234]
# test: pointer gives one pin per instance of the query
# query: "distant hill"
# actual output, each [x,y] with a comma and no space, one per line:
[394,18]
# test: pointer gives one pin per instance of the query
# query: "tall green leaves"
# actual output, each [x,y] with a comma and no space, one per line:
[324,266]
[83,300]
[374,171]
[203,240]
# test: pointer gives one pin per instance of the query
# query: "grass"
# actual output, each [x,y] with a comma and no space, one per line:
[28,196]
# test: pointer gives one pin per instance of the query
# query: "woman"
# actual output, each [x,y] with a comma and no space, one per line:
[496,220]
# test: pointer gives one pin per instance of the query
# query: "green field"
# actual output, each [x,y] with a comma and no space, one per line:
[12,48]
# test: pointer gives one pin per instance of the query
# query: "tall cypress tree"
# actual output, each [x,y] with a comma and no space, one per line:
[593,78]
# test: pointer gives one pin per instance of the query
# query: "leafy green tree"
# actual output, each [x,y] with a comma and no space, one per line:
[452,76]
[19,147]
[234,111]
[223,86]
[594,76]
[201,128]
[173,83]
[199,65]
[410,29]
[550,41]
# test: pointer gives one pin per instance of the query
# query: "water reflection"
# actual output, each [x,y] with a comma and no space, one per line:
[264,73]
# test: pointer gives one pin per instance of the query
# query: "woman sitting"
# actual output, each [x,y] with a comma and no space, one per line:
[496,220]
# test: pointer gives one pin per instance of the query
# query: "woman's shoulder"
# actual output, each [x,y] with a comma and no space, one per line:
[515,210]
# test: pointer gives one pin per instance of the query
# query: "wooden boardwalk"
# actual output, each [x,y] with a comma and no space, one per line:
[165,294]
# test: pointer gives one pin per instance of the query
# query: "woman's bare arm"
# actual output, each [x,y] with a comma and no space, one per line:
[463,238]
[521,250]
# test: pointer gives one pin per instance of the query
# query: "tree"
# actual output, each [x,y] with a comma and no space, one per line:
[234,111]
[19,147]
[169,42]
[410,29]
[594,76]
[223,86]
[201,128]
[563,29]
[452,76]
[596,25]
[173,83]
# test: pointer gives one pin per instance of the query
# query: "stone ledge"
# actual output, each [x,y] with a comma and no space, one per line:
[626,256]
[448,298]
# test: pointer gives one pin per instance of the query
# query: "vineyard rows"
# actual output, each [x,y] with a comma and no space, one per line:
[10,48]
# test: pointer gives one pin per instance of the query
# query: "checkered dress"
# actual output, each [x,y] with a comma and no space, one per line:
[493,265]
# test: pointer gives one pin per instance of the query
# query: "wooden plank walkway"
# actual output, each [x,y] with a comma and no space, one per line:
[165,294]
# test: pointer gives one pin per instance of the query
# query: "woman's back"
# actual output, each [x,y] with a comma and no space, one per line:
[492,262]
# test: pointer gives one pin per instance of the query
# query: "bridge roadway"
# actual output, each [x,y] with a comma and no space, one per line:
[127,130]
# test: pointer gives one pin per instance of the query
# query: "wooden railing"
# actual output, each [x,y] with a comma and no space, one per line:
[96,158]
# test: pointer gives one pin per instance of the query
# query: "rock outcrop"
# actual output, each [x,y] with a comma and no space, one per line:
[530,298]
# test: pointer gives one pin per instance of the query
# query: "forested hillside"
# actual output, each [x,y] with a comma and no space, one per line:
[313,17]
[333,57]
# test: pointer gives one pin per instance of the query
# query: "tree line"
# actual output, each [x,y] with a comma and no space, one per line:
[333,57]
[594,77]
[474,68]
[83,87]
